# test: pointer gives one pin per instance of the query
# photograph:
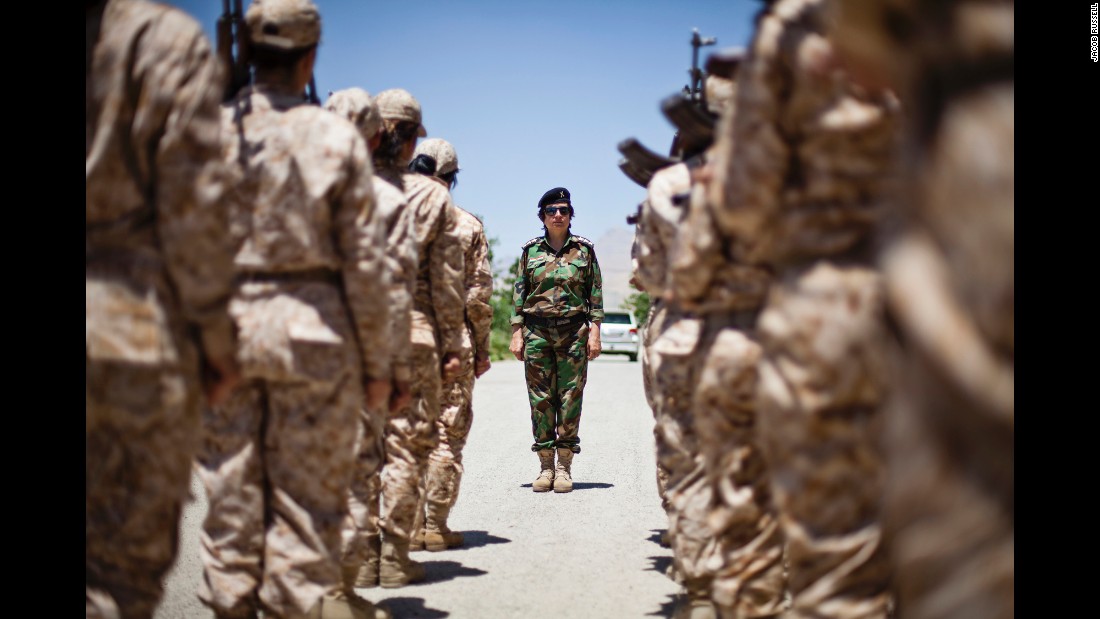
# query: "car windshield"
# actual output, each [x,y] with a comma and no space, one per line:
[616,319]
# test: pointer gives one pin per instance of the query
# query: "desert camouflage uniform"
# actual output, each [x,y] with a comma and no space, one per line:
[557,285]
[362,533]
[438,322]
[746,567]
[949,277]
[673,336]
[278,456]
[803,186]
[158,262]
[456,415]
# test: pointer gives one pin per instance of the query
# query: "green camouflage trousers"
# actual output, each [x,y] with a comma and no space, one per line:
[556,364]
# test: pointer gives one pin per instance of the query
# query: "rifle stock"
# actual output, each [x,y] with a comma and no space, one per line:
[696,126]
[639,176]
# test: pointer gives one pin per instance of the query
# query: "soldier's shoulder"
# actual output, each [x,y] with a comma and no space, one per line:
[531,243]
[423,188]
[584,241]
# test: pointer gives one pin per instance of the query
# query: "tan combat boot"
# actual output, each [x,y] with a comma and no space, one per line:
[437,535]
[563,480]
[545,480]
[367,578]
[441,493]
[396,569]
[345,603]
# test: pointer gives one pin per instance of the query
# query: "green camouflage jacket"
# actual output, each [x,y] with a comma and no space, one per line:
[553,284]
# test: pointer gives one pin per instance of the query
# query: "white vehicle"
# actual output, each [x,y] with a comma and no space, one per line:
[619,335]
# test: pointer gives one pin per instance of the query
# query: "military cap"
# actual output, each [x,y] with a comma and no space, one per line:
[443,153]
[283,24]
[355,104]
[555,196]
[399,104]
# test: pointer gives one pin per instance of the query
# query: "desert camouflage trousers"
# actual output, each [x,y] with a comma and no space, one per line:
[276,463]
[748,576]
[556,365]
[141,430]
[821,394]
[439,489]
[365,490]
[410,436]
[674,337]
[950,447]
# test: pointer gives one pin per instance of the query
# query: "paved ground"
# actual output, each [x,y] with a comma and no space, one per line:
[592,553]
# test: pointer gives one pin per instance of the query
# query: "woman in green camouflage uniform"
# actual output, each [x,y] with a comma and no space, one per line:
[558,303]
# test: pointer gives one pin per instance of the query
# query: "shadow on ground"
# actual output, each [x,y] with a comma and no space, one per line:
[440,571]
[584,485]
[660,564]
[656,537]
[667,609]
[477,539]
[411,607]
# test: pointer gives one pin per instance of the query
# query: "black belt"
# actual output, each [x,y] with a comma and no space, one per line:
[310,275]
[568,321]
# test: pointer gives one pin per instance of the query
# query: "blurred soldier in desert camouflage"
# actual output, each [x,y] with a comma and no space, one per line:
[671,335]
[438,324]
[949,270]
[721,300]
[439,489]
[158,271]
[314,341]
[362,537]
[802,187]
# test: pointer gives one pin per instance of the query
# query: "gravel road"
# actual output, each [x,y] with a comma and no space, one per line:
[592,553]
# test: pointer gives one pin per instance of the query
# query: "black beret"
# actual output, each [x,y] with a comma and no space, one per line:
[555,195]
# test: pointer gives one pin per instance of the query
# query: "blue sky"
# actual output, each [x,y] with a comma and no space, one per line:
[532,94]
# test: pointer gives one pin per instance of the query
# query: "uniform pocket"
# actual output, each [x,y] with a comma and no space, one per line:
[125,323]
[284,338]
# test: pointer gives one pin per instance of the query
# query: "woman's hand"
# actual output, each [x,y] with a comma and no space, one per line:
[517,342]
[594,346]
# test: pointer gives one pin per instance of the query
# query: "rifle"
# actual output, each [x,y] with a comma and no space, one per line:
[695,90]
[233,47]
[639,163]
[695,126]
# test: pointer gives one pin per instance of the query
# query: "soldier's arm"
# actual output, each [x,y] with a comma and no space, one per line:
[651,254]
[478,292]
[446,276]
[191,221]
[519,290]
[362,241]
[401,257]
[695,254]
[595,293]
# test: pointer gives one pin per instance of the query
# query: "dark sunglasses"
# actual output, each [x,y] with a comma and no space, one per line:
[554,210]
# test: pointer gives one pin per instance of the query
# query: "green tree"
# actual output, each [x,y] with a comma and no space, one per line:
[501,335]
[638,304]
